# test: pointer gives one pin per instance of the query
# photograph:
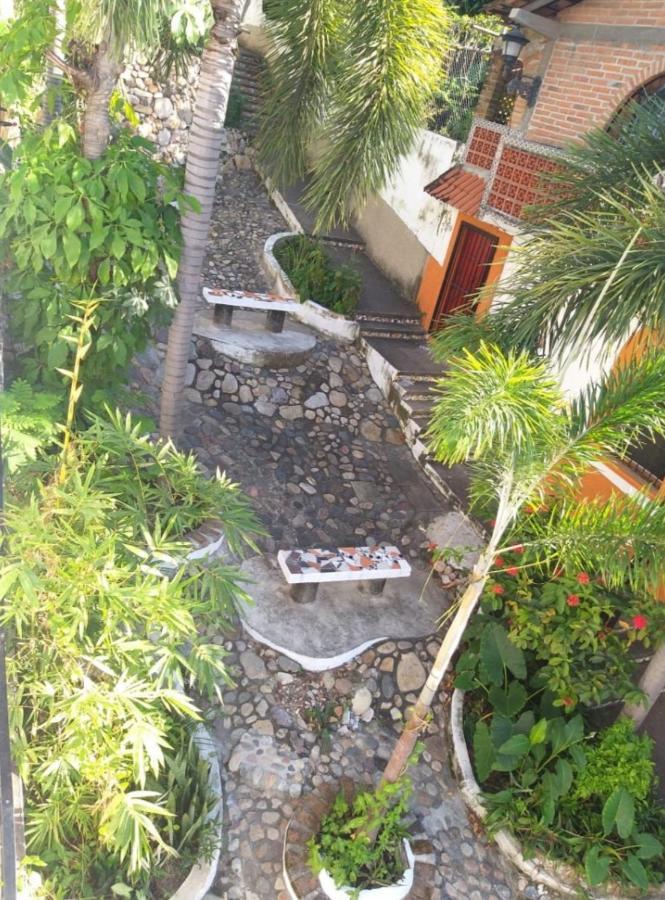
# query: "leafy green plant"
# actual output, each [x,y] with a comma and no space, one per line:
[314,277]
[578,631]
[618,758]
[29,423]
[73,228]
[360,843]
[322,718]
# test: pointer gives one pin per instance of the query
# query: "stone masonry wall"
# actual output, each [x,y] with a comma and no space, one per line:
[165,112]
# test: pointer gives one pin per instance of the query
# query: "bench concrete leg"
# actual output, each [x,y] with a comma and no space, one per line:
[377,586]
[275,321]
[304,593]
[223,315]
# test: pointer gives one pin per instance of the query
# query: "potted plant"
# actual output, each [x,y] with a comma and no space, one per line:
[362,850]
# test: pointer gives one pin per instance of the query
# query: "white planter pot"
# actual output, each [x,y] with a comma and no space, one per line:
[391,892]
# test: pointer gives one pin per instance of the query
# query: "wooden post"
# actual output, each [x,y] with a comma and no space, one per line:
[223,315]
[304,593]
[275,321]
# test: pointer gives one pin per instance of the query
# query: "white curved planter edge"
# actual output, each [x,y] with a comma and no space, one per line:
[201,876]
[539,869]
[309,313]
[389,892]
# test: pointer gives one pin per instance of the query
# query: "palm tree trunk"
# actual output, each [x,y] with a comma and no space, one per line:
[52,101]
[418,718]
[205,142]
[653,684]
[103,75]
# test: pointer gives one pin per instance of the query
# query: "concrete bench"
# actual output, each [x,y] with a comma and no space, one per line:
[225,301]
[304,570]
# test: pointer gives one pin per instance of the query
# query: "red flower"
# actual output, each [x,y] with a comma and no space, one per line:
[518,549]
[640,622]
[573,600]
[568,701]
[583,578]
[512,570]
[497,589]
[431,546]
[491,522]
[499,561]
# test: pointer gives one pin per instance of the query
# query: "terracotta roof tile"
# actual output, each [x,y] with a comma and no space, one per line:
[459,188]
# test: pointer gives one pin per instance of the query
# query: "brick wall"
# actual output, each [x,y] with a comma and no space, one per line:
[586,82]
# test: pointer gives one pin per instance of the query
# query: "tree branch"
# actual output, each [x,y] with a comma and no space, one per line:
[79,77]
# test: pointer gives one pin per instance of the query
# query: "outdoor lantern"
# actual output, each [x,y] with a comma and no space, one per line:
[514,40]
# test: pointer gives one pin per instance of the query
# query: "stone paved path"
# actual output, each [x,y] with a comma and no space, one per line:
[284,731]
[329,473]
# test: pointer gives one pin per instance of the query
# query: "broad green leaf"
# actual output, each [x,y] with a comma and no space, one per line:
[49,244]
[509,702]
[498,653]
[501,729]
[517,745]
[465,681]
[538,733]
[649,846]
[483,751]
[104,271]
[75,217]
[634,871]
[564,776]
[97,237]
[596,866]
[61,208]
[57,354]
[171,265]
[118,246]
[619,812]
[72,247]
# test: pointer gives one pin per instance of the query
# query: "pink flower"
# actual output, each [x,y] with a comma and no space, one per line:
[512,570]
[497,589]
[583,578]
[573,600]
[640,622]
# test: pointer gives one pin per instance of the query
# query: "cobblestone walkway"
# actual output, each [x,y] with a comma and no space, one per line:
[335,475]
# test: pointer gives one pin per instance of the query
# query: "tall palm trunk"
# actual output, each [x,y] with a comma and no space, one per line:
[52,102]
[653,684]
[418,717]
[103,77]
[205,142]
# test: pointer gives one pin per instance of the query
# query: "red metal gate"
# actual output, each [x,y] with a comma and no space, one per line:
[466,273]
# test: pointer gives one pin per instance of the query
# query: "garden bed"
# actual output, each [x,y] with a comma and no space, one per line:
[323,319]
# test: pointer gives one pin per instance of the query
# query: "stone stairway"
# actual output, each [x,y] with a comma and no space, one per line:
[247,76]
[393,326]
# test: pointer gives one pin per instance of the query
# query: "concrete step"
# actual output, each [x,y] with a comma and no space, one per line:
[390,327]
[387,317]
[390,335]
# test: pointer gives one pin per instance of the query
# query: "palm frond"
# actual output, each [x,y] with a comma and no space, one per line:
[621,539]
[391,52]
[492,405]
[305,37]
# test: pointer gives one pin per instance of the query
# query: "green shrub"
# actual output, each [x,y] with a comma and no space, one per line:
[107,628]
[315,278]
[345,846]
[74,229]
[619,758]
[29,423]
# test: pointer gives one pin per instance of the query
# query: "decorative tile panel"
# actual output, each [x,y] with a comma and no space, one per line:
[482,147]
[518,181]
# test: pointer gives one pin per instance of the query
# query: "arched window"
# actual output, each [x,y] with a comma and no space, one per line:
[652,91]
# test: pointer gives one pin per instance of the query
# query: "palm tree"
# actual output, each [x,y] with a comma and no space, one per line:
[504,414]
[104,32]
[354,77]
[348,91]
[593,271]
[201,169]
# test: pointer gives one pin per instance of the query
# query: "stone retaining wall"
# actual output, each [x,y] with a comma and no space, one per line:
[331,387]
[165,112]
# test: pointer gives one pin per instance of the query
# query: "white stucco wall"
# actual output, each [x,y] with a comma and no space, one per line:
[424,216]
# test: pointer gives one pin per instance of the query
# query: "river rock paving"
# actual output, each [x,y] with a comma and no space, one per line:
[322,457]
[284,731]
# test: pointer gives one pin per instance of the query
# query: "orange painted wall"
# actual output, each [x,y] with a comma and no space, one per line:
[434,272]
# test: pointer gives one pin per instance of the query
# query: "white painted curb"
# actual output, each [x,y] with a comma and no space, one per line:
[323,320]
[198,882]
[557,876]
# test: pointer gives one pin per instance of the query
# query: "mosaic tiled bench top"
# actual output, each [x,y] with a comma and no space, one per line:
[342,564]
[249,300]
